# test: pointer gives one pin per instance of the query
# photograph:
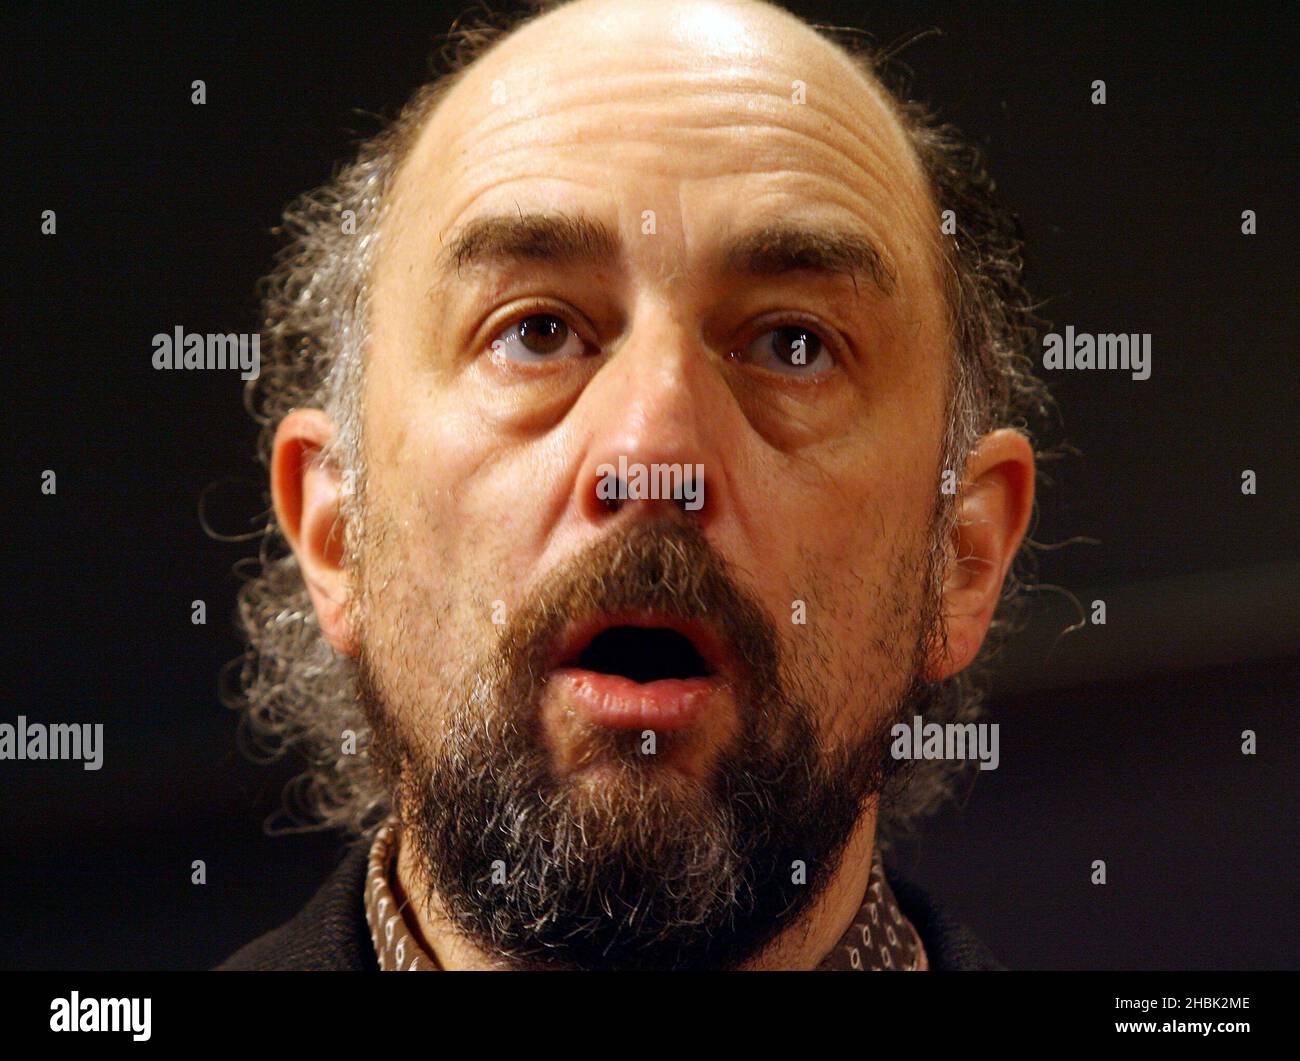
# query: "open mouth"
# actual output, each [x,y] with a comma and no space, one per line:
[641,671]
[643,654]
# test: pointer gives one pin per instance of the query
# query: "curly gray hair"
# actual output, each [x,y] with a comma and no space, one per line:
[296,693]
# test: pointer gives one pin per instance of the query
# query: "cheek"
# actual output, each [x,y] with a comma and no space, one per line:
[415,461]
[440,460]
[844,516]
[446,547]
[856,568]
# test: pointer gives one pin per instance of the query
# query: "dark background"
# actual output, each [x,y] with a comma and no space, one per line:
[1119,742]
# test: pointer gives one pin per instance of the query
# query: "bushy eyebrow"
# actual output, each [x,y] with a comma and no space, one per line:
[555,238]
[775,249]
[562,239]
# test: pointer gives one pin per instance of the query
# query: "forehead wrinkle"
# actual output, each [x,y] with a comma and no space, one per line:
[846,118]
[852,197]
[873,181]
[669,66]
[836,123]
[709,103]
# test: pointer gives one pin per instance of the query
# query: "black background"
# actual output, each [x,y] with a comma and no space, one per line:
[1119,742]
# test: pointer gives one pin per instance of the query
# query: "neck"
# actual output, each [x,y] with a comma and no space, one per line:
[801,946]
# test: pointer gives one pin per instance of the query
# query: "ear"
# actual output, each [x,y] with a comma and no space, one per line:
[308,504]
[993,510]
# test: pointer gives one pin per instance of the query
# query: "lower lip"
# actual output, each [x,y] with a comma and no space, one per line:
[616,702]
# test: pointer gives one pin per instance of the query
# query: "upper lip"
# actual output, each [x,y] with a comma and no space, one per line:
[708,641]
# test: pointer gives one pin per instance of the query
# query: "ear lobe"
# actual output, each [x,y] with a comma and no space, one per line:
[993,511]
[307,493]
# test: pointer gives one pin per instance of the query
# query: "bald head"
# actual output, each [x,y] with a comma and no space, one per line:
[696,99]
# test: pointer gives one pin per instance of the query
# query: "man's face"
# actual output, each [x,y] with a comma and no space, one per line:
[619,725]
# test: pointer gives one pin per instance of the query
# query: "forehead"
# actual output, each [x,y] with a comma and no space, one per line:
[710,115]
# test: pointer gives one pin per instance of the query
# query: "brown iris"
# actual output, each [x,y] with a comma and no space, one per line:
[543,334]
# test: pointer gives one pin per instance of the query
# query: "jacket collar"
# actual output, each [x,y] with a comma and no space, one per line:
[330,933]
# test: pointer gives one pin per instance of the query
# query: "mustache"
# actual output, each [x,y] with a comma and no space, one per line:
[638,872]
[666,566]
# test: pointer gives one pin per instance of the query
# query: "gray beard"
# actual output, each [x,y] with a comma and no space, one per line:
[645,869]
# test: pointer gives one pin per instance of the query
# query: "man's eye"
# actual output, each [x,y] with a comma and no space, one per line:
[540,337]
[792,349]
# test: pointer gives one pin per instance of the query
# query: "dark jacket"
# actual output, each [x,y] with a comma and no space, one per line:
[330,932]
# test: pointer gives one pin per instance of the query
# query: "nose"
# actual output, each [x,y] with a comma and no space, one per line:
[656,418]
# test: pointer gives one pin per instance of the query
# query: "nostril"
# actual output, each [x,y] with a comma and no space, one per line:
[611,497]
[681,486]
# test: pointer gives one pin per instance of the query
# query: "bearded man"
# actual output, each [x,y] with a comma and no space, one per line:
[580,724]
